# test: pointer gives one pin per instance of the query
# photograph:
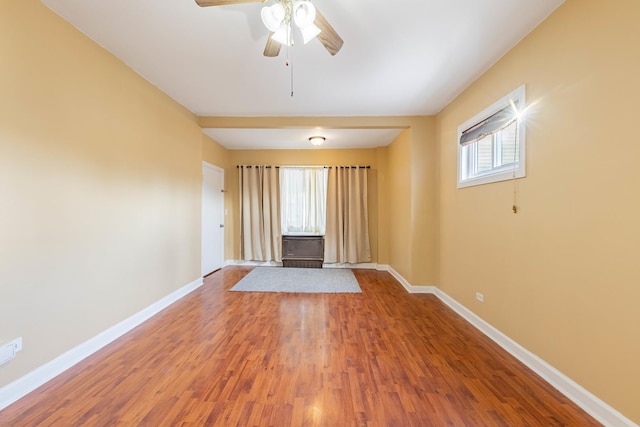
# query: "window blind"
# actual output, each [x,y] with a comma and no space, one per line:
[492,124]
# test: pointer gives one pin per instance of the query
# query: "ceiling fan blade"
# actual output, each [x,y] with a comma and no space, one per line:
[328,36]
[272,49]
[205,3]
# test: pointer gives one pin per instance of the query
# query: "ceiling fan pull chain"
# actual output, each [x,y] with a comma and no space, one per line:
[291,70]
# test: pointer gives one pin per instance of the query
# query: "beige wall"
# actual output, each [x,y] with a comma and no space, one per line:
[424,203]
[383,205]
[560,277]
[399,169]
[413,201]
[214,153]
[100,188]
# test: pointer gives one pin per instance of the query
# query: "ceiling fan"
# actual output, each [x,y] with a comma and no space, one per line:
[280,18]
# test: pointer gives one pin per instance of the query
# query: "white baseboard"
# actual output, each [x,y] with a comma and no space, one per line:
[253,263]
[409,287]
[363,265]
[565,385]
[39,376]
[367,265]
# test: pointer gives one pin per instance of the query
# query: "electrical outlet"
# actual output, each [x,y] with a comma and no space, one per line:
[479,297]
[13,346]
[8,351]
[17,344]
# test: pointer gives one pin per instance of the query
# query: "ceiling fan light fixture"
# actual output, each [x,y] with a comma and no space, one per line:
[304,13]
[317,140]
[273,16]
[283,35]
[309,33]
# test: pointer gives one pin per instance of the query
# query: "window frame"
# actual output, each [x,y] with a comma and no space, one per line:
[496,174]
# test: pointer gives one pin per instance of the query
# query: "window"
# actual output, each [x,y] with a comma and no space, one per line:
[491,144]
[303,200]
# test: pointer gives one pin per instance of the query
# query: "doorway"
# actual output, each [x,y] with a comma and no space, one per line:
[212,218]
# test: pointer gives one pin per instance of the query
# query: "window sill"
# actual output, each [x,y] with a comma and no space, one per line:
[490,178]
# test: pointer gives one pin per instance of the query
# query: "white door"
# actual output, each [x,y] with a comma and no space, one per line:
[212,218]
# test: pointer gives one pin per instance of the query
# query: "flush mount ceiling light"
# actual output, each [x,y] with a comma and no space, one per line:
[283,16]
[317,140]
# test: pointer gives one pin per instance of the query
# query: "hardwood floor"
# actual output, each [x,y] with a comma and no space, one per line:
[381,358]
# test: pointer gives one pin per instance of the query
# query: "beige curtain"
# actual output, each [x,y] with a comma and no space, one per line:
[347,235]
[259,213]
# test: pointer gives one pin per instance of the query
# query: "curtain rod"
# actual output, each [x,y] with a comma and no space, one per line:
[326,167]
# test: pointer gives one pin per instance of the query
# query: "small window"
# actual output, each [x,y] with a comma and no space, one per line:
[491,144]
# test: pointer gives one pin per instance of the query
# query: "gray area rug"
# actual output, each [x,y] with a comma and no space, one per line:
[309,280]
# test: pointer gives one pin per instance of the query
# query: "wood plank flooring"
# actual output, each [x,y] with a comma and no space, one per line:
[218,358]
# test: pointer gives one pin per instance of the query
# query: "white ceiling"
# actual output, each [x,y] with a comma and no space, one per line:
[400,57]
